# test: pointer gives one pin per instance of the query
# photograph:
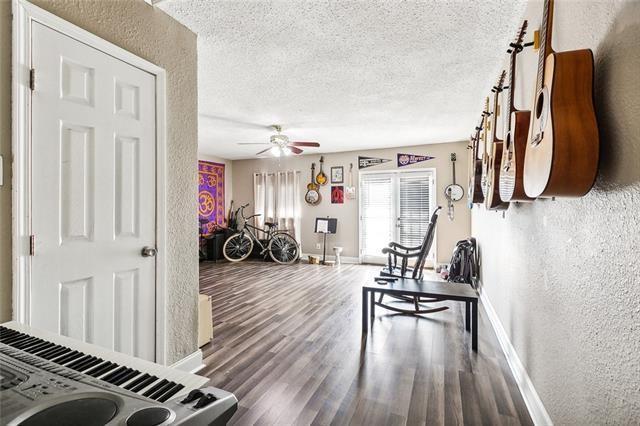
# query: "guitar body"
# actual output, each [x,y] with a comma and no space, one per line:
[485,164]
[321,178]
[492,200]
[475,187]
[563,149]
[512,163]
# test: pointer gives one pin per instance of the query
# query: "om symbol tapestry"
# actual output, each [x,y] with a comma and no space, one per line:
[210,196]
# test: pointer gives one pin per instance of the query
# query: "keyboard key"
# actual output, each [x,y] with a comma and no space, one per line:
[112,375]
[65,359]
[137,381]
[150,380]
[171,392]
[78,361]
[157,394]
[155,387]
[101,369]
[130,375]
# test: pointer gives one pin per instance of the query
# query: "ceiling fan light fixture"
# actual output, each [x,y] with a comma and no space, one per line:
[275,151]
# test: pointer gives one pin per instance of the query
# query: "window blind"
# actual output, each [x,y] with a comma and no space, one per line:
[377,210]
[415,207]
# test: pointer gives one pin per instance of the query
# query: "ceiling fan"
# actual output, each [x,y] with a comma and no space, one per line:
[281,145]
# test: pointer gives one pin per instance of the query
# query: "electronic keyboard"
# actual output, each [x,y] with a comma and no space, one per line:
[48,379]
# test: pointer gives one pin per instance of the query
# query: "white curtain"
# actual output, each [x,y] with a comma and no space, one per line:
[276,197]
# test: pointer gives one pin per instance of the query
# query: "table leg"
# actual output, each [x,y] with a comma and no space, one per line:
[474,326]
[372,307]
[365,301]
[467,315]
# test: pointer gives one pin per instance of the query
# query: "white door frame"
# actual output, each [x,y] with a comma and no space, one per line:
[432,203]
[24,14]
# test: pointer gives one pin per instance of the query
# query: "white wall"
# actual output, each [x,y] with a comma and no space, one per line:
[448,232]
[563,276]
[153,35]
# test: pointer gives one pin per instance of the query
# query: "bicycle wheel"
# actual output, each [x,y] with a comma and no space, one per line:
[237,247]
[283,248]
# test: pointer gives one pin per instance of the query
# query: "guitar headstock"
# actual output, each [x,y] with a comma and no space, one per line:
[516,45]
[500,83]
[486,111]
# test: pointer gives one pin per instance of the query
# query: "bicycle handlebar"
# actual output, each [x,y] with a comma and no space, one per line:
[241,210]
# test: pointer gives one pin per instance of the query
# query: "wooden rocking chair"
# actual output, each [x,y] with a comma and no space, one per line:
[419,253]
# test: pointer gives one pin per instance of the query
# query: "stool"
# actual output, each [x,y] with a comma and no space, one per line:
[337,251]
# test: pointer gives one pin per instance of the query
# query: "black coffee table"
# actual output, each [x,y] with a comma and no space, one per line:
[424,288]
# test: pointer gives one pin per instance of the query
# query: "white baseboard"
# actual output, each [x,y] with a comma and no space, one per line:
[531,398]
[343,259]
[191,363]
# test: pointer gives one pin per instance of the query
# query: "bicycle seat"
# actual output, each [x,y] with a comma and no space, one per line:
[270,224]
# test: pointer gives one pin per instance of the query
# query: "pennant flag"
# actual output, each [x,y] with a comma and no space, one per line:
[364,162]
[407,159]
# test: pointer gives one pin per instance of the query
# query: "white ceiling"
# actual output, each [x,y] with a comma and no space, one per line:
[348,74]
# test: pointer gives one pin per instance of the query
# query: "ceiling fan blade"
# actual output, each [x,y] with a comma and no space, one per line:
[263,151]
[295,150]
[253,143]
[300,143]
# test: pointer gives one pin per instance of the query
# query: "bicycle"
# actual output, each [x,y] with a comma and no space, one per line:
[282,247]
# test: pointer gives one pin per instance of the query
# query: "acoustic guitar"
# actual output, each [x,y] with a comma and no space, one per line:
[486,149]
[492,199]
[321,178]
[474,192]
[562,152]
[312,196]
[516,127]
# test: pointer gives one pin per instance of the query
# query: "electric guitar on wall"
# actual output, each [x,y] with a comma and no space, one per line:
[492,199]
[562,151]
[321,178]
[517,129]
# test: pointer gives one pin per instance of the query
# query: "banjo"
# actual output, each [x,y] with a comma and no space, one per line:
[453,192]
[312,196]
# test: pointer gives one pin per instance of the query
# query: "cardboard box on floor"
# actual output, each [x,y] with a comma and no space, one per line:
[205,321]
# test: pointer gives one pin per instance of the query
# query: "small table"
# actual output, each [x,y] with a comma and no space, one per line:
[436,289]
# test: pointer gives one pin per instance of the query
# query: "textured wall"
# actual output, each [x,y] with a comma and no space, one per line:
[563,275]
[447,233]
[5,151]
[151,34]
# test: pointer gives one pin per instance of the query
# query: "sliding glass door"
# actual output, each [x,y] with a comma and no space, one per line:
[394,206]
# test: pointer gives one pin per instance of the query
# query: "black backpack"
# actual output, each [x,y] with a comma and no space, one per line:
[463,267]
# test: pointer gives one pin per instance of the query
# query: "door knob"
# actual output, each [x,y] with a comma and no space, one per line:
[148,251]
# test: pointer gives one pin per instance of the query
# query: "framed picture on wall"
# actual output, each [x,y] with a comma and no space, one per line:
[337,194]
[337,174]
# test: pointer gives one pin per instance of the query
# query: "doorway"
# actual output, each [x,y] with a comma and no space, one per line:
[89,221]
[394,206]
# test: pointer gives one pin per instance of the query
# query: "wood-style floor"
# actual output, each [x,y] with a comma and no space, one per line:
[287,344]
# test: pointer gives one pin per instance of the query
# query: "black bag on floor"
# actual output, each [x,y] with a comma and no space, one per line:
[463,267]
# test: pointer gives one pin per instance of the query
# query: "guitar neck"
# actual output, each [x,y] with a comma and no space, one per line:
[545,41]
[494,119]
[510,91]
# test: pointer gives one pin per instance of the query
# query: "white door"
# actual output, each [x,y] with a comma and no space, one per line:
[93,203]
[394,206]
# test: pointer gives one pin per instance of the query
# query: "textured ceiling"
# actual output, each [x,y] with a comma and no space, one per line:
[348,74]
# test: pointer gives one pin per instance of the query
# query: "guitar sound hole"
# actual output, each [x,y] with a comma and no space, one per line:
[539,104]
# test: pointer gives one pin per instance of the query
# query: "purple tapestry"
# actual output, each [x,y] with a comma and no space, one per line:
[210,196]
